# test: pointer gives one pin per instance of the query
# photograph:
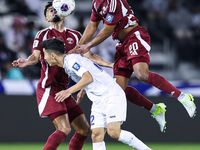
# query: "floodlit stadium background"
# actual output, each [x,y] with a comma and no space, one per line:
[175,37]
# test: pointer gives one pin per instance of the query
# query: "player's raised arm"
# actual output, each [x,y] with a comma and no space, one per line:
[102,35]
[89,32]
[87,35]
[85,80]
[98,60]
[31,60]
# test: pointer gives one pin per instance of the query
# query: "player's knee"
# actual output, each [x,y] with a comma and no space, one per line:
[66,130]
[97,136]
[85,130]
[113,132]
[142,76]
[94,137]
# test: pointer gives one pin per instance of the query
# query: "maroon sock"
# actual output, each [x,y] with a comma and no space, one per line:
[54,140]
[77,141]
[136,98]
[161,83]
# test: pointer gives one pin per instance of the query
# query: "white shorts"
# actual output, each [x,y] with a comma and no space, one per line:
[112,108]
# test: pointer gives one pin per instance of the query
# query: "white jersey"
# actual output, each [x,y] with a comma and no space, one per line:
[75,66]
[109,100]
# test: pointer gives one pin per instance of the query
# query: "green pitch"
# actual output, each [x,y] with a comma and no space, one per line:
[110,146]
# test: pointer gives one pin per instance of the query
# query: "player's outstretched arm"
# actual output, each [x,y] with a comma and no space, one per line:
[89,32]
[80,96]
[102,35]
[85,80]
[32,60]
[98,60]
[87,35]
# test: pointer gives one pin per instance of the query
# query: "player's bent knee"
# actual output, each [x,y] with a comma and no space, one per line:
[81,125]
[141,76]
[97,136]
[66,130]
[113,133]
[84,131]
[114,130]
[88,130]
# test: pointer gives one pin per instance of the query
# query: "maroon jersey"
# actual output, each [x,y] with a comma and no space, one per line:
[55,76]
[113,12]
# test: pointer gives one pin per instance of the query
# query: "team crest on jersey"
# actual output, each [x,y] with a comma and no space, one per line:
[70,40]
[104,10]
[109,18]
[76,66]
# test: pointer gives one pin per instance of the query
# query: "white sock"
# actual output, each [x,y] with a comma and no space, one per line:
[99,146]
[131,140]
[153,108]
[181,96]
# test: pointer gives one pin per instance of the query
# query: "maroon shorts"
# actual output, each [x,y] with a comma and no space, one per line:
[133,48]
[47,105]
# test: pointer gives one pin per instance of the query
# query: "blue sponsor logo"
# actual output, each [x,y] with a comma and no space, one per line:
[109,18]
[76,66]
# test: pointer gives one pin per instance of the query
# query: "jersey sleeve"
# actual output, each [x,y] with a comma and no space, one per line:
[95,16]
[37,41]
[114,13]
[76,66]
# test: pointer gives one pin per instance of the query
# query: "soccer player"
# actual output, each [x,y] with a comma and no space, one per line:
[109,100]
[132,54]
[54,79]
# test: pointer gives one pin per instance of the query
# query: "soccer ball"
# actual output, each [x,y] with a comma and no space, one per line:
[63,8]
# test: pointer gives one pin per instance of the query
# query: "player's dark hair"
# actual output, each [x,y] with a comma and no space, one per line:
[54,45]
[49,4]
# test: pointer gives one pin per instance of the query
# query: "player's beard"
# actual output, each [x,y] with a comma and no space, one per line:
[56,19]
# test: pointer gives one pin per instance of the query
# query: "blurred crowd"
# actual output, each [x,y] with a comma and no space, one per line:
[178,20]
